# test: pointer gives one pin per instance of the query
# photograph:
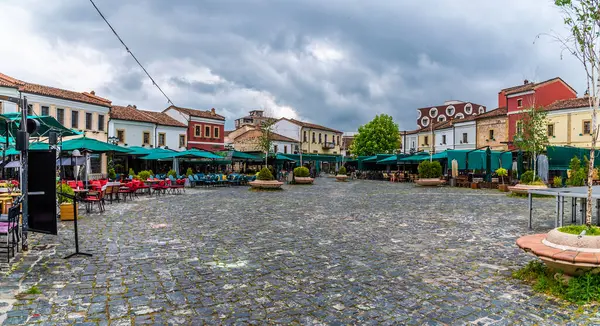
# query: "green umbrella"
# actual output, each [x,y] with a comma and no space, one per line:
[92,145]
[47,124]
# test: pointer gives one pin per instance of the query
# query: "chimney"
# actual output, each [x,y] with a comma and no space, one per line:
[586,94]
[212,111]
[525,82]
[93,93]
[135,106]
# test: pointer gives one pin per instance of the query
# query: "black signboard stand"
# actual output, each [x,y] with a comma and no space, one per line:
[77,252]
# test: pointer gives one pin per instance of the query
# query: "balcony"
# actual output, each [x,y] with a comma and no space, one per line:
[328,145]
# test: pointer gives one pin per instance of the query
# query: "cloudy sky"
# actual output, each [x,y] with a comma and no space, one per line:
[335,62]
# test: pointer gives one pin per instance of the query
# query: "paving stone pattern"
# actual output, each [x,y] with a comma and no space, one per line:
[361,252]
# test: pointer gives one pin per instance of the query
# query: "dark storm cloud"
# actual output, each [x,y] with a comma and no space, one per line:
[395,56]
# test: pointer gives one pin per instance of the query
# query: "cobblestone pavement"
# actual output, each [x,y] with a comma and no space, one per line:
[362,252]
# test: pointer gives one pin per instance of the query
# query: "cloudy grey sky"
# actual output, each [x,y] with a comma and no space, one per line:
[335,62]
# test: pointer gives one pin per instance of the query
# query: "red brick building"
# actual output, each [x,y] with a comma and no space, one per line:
[530,94]
[206,129]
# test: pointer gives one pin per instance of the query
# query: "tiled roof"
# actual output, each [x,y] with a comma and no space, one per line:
[456,105]
[532,86]
[255,133]
[571,103]
[89,98]
[311,125]
[493,113]
[131,113]
[197,113]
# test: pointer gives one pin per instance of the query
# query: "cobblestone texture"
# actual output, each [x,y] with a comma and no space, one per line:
[362,252]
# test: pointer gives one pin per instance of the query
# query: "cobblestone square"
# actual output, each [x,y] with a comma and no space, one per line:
[361,252]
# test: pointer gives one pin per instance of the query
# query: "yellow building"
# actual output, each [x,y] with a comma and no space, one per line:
[570,123]
[313,138]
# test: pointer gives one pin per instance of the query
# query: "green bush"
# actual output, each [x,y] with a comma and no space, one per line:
[189,172]
[557,182]
[527,178]
[144,175]
[301,172]
[151,173]
[112,174]
[430,169]
[265,175]
[65,189]
[578,174]
[501,172]
[342,171]
[131,172]
[173,173]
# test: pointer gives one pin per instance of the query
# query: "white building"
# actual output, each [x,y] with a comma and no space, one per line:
[133,127]
[465,134]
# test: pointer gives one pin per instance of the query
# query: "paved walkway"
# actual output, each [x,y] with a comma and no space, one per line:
[362,252]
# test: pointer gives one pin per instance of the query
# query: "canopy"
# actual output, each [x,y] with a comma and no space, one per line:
[392,159]
[47,124]
[476,159]
[237,155]
[559,157]
[92,145]
[313,157]
[415,158]
[190,153]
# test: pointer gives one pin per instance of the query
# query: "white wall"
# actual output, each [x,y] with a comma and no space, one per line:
[183,118]
[172,134]
[439,136]
[281,145]
[288,129]
[470,129]
[134,131]
[9,107]
[408,142]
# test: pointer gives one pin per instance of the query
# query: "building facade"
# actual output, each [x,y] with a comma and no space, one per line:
[255,118]
[206,129]
[492,129]
[570,123]
[314,139]
[448,111]
[134,127]
[249,142]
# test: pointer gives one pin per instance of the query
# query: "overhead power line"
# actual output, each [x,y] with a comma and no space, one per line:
[131,53]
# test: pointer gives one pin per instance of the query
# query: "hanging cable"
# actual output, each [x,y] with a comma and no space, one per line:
[131,53]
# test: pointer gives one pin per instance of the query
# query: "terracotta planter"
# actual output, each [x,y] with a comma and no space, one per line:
[303,180]
[341,177]
[570,253]
[524,189]
[503,188]
[266,184]
[66,211]
[474,185]
[430,182]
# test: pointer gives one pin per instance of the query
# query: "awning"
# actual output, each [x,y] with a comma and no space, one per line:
[415,158]
[476,159]
[237,155]
[392,159]
[91,145]
[190,154]
[559,157]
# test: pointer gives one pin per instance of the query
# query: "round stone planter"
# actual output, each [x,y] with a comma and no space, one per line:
[430,182]
[303,180]
[341,177]
[570,253]
[524,189]
[265,184]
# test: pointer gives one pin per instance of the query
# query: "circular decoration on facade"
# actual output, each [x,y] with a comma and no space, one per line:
[481,110]
[433,112]
[419,116]
[425,121]
[459,116]
[468,108]
[450,110]
[441,118]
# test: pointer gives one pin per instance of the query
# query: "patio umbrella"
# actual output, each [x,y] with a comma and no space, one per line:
[47,124]
[488,164]
[92,145]
[454,168]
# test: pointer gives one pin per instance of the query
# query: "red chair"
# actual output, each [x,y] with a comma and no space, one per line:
[72,184]
[175,188]
[94,197]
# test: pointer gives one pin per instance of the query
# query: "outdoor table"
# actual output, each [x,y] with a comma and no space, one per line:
[80,192]
[561,194]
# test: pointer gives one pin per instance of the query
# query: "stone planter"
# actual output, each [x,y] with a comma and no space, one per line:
[430,182]
[503,187]
[570,253]
[524,189]
[303,180]
[341,177]
[265,184]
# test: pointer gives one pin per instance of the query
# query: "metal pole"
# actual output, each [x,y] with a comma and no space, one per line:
[24,172]
[530,201]
[556,222]
[561,210]
[573,209]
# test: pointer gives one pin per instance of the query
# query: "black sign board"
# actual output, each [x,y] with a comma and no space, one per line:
[42,191]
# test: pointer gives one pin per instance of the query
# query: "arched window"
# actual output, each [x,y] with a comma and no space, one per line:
[441,118]
[450,110]
[433,112]
[469,108]
[459,116]
[425,121]
[481,110]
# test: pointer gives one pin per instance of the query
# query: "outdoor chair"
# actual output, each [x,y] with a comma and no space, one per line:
[94,197]
[160,187]
[174,187]
[10,229]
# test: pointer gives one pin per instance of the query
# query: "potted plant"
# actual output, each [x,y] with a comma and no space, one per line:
[527,182]
[341,176]
[131,172]
[430,174]
[112,175]
[172,173]
[144,175]
[302,175]
[502,172]
[66,204]
[266,181]
[557,182]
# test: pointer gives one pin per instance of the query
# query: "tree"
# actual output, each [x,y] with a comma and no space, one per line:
[531,135]
[379,136]
[582,17]
[265,140]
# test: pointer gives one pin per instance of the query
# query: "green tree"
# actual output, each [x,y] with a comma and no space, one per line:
[531,135]
[379,136]
[265,140]
[582,17]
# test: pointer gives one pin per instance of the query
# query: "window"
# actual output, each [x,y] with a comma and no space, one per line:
[88,120]
[338,140]
[320,138]
[121,135]
[333,140]
[425,121]
[413,145]
[519,127]
[305,137]
[433,112]
[520,103]
[313,138]
[551,130]
[468,108]
[465,138]
[162,139]
[181,140]
[216,132]
[441,118]
[206,131]
[198,131]
[587,127]
[146,138]
[60,116]
[29,109]
[491,135]
[443,139]
[284,149]
[275,148]
[326,138]
[450,110]
[74,119]
[459,116]
[101,122]
[45,110]
[426,140]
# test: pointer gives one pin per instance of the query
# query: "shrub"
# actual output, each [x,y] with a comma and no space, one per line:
[557,182]
[151,173]
[131,172]
[144,175]
[65,189]
[265,175]
[527,178]
[342,170]
[172,173]
[301,172]
[112,174]
[502,172]
[189,172]
[430,169]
